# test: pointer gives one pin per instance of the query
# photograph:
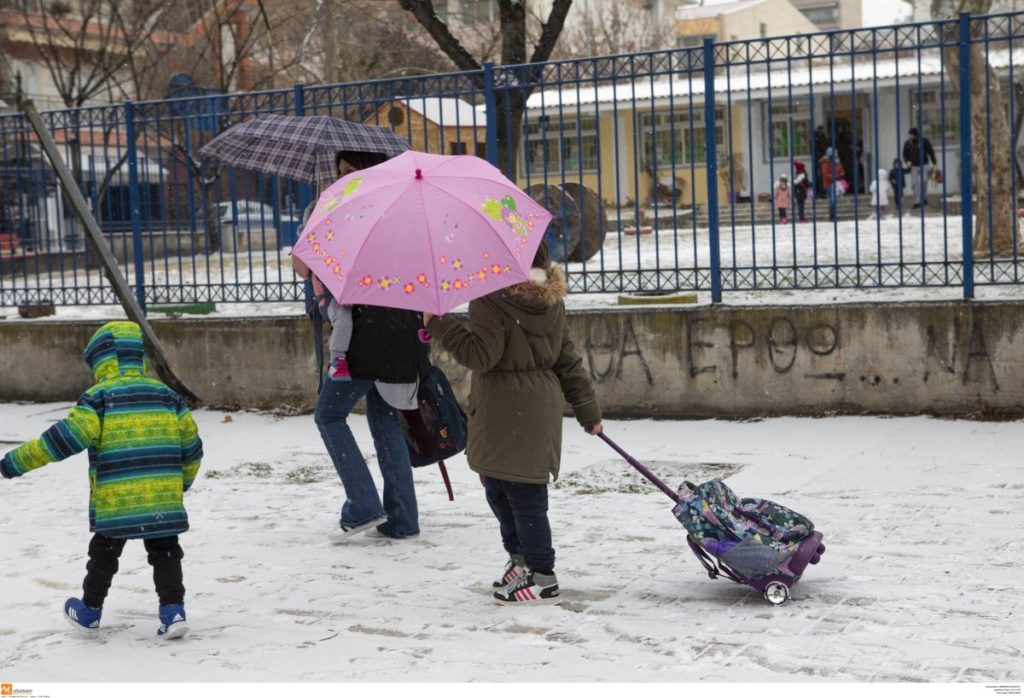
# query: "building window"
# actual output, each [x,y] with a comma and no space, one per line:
[556,146]
[823,15]
[670,139]
[926,114]
[479,11]
[785,138]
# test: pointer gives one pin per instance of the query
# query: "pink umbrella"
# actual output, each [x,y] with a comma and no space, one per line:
[422,232]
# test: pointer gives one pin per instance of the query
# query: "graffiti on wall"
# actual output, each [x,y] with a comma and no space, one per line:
[782,339]
[610,345]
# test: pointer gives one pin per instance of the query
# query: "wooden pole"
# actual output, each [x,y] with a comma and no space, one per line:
[99,243]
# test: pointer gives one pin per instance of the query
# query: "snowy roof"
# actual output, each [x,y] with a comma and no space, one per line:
[447,111]
[709,11]
[739,83]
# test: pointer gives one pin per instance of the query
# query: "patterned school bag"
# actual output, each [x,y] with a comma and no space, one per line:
[755,541]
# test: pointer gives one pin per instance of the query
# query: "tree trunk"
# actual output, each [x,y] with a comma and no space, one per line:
[995,231]
[992,159]
[510,108]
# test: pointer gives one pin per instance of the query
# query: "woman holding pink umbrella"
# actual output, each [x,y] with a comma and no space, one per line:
[383,362]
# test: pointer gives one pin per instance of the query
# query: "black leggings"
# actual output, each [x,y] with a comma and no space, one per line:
[164,555]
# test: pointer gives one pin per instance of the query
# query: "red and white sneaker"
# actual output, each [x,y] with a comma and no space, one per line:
[531,588]
[514,569]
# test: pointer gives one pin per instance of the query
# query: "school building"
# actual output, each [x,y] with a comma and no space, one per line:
[615,138]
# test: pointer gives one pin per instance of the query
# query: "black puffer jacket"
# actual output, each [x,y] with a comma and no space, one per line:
[385,345]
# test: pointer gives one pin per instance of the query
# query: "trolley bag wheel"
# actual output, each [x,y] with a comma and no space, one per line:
[776,593]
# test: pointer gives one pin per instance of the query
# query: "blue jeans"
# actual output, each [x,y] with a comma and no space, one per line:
[522,512]
[337,398]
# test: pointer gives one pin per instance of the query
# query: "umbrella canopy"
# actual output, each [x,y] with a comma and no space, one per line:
[422,232]
[302,148]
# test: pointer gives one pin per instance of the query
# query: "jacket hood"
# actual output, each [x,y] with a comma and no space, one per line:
[116,349]
[529,303]
[882,174]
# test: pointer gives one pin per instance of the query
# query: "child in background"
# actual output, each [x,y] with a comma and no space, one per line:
[801,185]
[880,193]
[898,180]
[144,452]
[783,197]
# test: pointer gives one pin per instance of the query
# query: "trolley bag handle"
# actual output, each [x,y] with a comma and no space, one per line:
[640,467]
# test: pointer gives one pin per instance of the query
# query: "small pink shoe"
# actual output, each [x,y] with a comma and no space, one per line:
[339,370]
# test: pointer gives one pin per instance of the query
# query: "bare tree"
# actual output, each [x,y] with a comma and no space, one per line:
[86,46]
[995,236]
[510,97]
[625,26]
[337,41]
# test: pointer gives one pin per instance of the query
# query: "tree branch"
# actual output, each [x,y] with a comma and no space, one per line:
[423,11]
[552,29]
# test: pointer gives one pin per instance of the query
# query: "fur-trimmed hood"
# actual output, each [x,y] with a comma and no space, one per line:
[530,303]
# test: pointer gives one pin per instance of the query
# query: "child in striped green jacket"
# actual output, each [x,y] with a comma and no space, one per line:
[144,452]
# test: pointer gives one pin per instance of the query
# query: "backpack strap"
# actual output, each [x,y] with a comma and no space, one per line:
[447,482]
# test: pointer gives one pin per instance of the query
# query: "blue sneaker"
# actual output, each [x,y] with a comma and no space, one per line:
[82,617]
[172,621]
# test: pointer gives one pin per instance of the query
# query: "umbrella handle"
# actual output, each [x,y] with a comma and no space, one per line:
[640,467]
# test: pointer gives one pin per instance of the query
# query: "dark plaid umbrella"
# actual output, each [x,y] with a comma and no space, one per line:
[302,148]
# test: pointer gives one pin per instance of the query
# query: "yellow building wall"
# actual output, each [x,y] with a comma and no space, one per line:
[635,183]
[607,147]
[779,18]
[425,135]
[692,179]
[706,26]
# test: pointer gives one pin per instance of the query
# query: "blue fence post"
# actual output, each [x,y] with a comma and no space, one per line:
[712,170]
[135,205]
[966,192]
[305,190]
[491,113]
[305,194]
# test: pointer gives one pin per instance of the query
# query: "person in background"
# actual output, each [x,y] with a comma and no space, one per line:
[898,180]
[918,153]
[783,198]
[832,173]
[800,188]
[880,194]
[821,146]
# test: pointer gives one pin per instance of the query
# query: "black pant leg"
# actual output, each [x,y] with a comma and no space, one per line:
[529,504]
[498,501]
[101,568]
[165,556]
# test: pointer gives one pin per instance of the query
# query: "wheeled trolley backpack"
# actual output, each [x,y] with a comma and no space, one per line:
[751,541]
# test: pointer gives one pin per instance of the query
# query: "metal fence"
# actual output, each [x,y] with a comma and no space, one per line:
[664,169]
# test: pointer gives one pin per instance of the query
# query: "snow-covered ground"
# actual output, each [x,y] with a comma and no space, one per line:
[921,581]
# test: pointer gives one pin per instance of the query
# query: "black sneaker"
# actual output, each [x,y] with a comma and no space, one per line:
[514,569]
[531,588]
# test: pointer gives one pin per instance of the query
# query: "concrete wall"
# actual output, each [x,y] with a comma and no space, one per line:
[939,358]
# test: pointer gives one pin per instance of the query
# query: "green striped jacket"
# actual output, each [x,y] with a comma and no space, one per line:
[144,448]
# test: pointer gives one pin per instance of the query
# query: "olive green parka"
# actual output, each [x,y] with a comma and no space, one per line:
[524,367]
